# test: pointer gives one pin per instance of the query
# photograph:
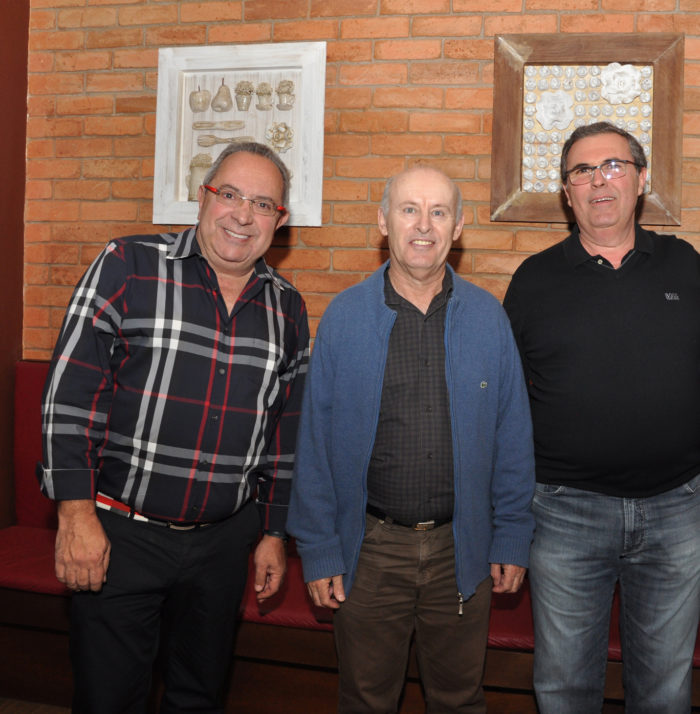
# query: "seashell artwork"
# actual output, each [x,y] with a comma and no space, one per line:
[558,99]
[232,125]
[285,94]
[199,167]
[199,100]
[280,137]
[621,84]
[244,92]
[222,101]
[264,94]
[211,139]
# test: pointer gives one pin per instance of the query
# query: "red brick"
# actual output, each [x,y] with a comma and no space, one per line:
[78,61]
[55,83]
[90,190]
[469,98]
[38,127]
[277,10]
[450,26]
[114,82]
[109,168]
[117,126]
[121,37]
[87,17]
[38,189]
[469,49]
[37,233]
[108,211]
[414,7]
[51,210]
[407,49]
[210,11]
[500,263]
[368,167]
[40,148]
[358,260]
[316,304]
[133,189]
[41,20]
[349,51]
[407,144]
[39,339]
[73,148]
[355,213]
[634,5]
[41,106]
[494,6]
[135,146]
[40,62]
[655,23]
[497,25]
[334,236]
[325,282]
[300,259]
[374,122]
[240,33]
[148,15]
[373,73]
[340,8]
[383,27]
[445,122]
[346,145]
[338,190]
[80,106]
[533,241]
[36,317]
[56,40]
[434,73]
[141,104]
[468,145]
[308,31]
[593,23]
[346,98]
[66,275]
[412,97]
[134,59]
[39,253]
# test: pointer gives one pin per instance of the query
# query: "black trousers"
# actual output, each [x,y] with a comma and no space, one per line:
[180,590]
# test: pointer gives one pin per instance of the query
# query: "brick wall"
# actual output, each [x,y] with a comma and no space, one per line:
[406,80]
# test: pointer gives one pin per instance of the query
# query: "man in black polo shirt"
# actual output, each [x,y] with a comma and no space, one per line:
[608,326]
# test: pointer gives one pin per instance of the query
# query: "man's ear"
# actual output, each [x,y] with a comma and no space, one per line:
[381,221]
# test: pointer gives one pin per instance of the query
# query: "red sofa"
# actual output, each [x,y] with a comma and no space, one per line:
[287,629]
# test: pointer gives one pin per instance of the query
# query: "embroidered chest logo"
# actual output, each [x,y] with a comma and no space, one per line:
[671,296]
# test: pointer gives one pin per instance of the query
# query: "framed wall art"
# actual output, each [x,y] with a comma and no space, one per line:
[545,86]
[211,96]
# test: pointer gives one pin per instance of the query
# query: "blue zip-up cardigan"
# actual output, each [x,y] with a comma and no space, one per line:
[491,434]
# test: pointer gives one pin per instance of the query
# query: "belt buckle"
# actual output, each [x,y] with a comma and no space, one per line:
[176,527]
[424,526]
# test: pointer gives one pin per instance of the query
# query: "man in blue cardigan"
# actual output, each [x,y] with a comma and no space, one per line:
[414,468]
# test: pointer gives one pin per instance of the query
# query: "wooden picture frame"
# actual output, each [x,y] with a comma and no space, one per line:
[664,51]
[199,100]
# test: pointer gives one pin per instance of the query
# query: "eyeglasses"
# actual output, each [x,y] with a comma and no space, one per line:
[613,169]
[230,198]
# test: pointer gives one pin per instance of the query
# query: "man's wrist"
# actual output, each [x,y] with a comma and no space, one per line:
[277,534]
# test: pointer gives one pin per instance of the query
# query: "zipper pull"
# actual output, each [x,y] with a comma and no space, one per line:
[460,612]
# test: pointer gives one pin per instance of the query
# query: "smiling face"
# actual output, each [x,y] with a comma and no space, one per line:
[604,209]
[421,223]
[232,239]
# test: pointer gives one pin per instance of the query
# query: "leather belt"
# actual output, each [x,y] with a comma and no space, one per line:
[109,504]
[421,526]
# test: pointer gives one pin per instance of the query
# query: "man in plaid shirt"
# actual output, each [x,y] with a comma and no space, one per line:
[170,416]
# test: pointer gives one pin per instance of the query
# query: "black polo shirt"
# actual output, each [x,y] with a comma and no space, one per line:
[612,361]
[410,475]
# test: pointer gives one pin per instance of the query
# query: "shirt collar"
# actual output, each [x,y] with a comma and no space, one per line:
[391,297]
[576,254]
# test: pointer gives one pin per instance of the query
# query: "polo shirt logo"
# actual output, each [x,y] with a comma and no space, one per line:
[671,296]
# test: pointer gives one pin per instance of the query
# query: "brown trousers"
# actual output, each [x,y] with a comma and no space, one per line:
[405,585]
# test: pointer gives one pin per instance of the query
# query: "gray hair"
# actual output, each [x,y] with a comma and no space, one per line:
[252,147]
[602,127]
[457,196]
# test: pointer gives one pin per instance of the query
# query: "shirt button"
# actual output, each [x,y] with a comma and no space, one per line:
[222,371]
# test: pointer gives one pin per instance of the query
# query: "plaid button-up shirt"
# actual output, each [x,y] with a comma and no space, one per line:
[160,399]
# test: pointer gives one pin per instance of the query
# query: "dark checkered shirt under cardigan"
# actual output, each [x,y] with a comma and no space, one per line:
[410,476]
[161,400]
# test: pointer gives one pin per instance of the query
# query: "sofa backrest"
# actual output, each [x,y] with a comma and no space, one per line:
[31,507]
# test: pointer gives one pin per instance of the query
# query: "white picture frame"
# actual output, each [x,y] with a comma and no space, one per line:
[292,123]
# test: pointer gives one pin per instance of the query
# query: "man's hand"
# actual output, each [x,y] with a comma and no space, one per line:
[82,547]
[327,592]
[270,560]
[507,578]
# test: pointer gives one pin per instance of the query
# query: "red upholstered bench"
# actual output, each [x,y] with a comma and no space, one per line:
[286,629]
